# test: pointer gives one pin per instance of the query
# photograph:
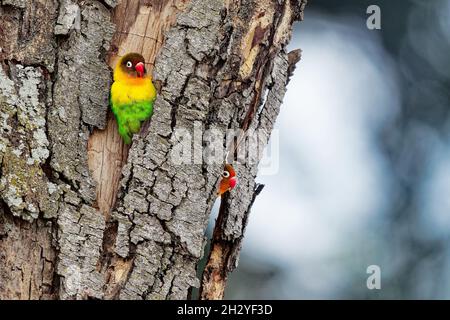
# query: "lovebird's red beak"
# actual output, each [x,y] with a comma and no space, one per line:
[233,182]
[140,69]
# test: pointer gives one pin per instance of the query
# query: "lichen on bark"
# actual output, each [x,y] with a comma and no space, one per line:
[24,146]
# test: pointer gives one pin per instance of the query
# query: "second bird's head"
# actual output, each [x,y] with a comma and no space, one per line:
[133,65]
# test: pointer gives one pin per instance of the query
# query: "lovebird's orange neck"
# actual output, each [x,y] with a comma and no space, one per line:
[121,76]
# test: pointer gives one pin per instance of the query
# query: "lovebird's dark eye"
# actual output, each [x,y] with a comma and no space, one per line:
[226,174]
[129,64]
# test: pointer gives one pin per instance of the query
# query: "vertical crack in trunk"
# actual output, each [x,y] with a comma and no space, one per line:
[140,27]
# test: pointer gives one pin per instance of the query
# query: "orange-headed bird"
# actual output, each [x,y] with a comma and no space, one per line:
[228,181]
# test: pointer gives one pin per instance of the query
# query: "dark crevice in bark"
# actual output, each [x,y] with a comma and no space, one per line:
[109,239]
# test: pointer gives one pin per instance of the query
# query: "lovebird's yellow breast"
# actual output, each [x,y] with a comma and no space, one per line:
[125,89]
[124,93]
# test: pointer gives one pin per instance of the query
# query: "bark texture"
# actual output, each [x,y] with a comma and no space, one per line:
[81,215]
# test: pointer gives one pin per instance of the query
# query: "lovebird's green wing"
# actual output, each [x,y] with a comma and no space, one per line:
[130,117]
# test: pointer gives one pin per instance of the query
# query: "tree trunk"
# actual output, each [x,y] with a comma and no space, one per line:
[81,214]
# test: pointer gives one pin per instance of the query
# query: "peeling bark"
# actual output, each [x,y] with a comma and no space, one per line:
[81,215]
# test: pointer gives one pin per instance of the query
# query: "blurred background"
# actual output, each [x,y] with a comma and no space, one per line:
[364,174]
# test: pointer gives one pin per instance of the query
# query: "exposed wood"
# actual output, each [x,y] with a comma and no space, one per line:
[140,27]
[106,156]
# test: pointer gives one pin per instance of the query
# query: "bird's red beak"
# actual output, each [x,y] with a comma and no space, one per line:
[140,69]
[233,182]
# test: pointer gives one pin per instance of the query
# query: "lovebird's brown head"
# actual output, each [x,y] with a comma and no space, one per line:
[133,65]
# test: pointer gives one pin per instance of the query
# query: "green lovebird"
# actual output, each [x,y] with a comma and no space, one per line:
[132,95]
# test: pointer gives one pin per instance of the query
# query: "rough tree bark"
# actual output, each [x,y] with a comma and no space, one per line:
[81,215]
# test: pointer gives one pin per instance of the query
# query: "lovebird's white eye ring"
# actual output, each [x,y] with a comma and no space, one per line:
[225,174]
[129,64]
